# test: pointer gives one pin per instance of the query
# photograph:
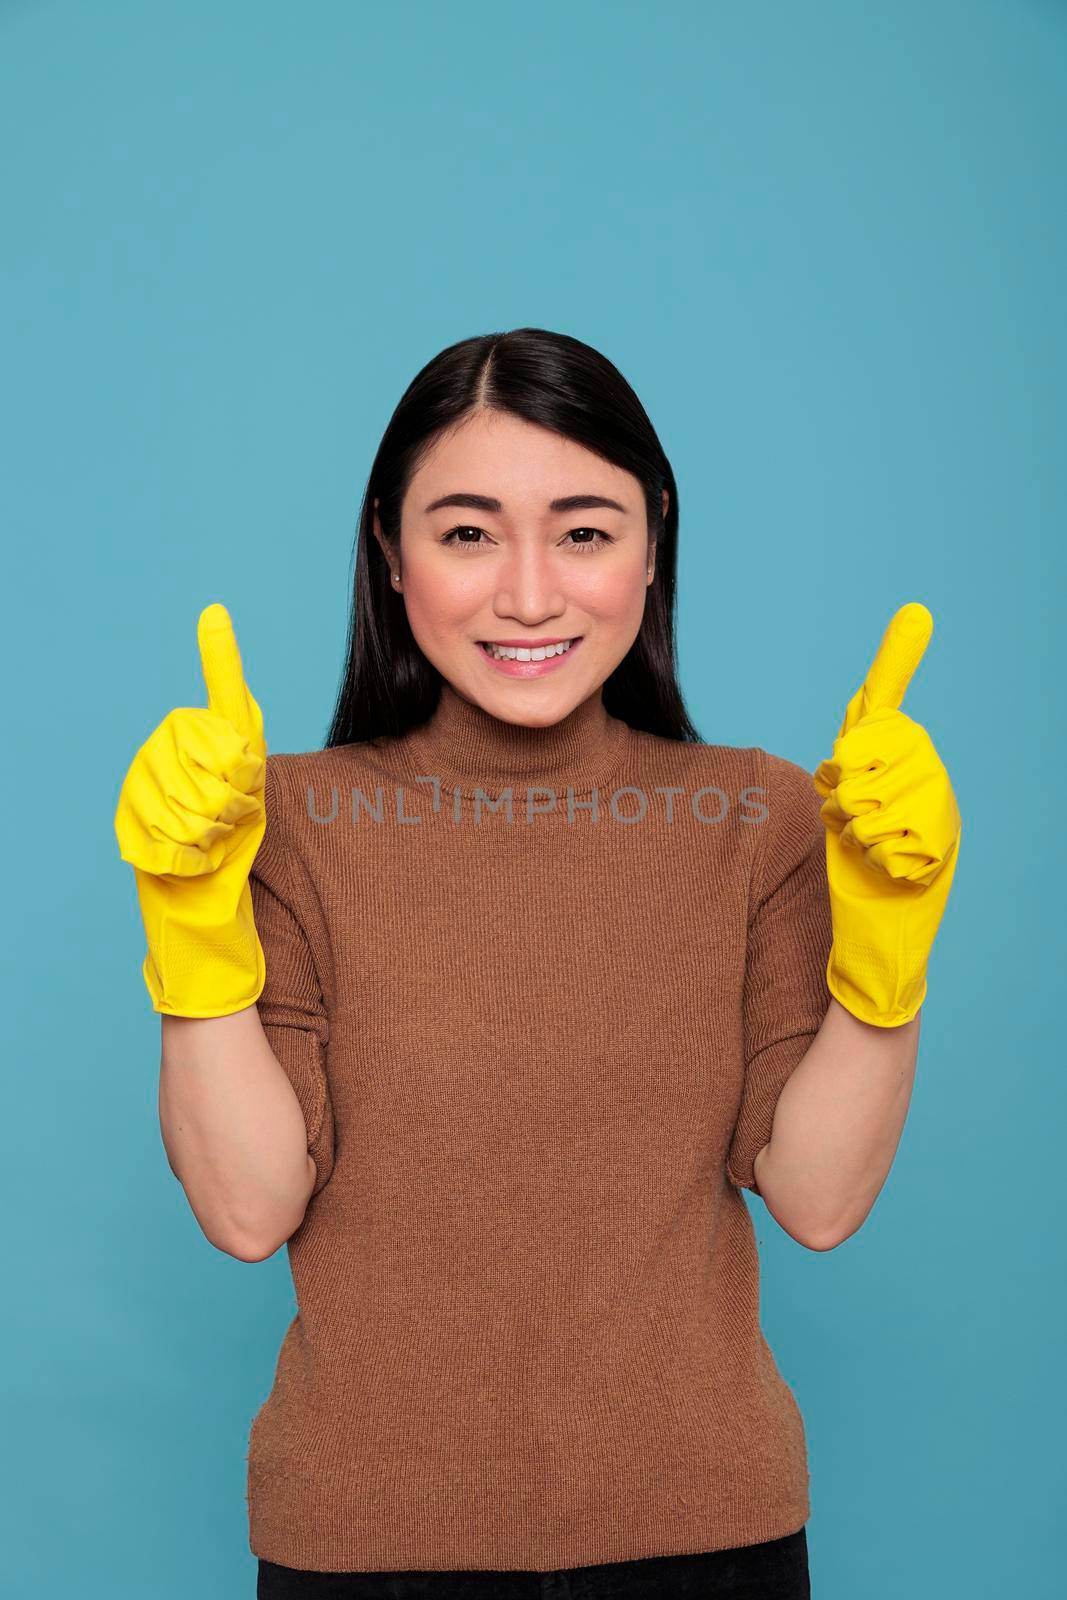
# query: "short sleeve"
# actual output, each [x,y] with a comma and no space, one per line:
[789,936]
[291,1006]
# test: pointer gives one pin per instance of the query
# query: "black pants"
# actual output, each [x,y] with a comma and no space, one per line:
[775,1570]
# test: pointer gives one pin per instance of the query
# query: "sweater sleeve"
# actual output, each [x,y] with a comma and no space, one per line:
[789,938]
[291,1006]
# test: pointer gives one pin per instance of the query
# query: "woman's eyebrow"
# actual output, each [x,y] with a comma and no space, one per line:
[570,502]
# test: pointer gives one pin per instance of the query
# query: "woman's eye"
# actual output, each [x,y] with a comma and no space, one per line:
[450,536]
[454,536]
[594,543]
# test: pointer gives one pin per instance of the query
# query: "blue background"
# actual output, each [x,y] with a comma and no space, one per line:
[827,245]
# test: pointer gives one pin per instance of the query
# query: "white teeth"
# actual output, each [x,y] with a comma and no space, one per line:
[503,653]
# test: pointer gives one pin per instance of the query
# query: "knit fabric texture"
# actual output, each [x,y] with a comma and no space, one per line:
[537,991]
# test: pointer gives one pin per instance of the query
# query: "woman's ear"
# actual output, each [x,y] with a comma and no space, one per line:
[376,528]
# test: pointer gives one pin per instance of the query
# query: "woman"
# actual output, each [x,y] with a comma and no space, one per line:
[486,1009]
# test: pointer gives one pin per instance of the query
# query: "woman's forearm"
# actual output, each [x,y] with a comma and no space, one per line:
[234,1132]
[837,1125]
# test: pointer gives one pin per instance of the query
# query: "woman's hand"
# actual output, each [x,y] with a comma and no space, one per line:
[892,837]
[190,819]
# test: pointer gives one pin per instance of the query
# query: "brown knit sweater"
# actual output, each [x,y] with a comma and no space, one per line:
[537,1054]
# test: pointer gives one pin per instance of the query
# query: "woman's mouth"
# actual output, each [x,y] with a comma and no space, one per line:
[527,661]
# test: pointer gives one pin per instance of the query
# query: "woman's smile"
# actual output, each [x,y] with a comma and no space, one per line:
[527,661]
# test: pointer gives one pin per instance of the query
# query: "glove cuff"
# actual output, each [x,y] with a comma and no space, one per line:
[883,990]
[193,969]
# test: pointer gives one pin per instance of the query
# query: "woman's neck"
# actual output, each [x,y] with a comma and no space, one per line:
[466,747]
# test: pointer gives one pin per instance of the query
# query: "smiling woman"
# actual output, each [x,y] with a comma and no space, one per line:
[499,1087]
[528,1334]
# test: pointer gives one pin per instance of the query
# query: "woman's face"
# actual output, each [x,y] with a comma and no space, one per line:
[498,564]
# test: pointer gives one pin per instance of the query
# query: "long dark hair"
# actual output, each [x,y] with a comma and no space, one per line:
[559,383]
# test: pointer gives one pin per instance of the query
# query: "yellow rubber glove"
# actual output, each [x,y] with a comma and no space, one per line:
[190,819]
[892,837]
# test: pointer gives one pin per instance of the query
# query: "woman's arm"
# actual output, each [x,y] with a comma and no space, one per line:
[892,829]
[837,1125]
[234,1132]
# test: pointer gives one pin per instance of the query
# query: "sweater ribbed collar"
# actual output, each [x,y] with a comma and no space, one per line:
[467,747]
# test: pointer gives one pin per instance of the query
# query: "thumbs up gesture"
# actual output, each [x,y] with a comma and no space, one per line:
[892,837]
[189,820]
